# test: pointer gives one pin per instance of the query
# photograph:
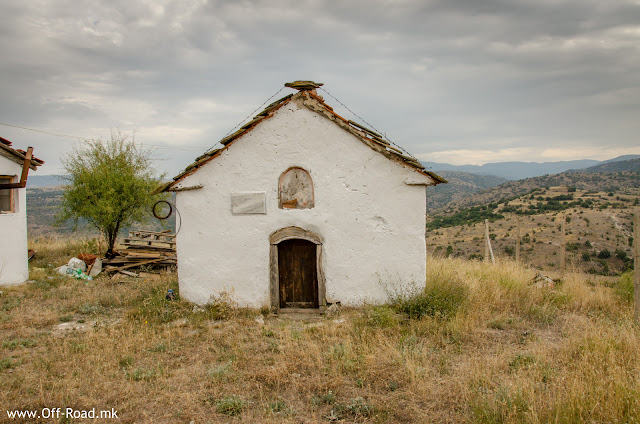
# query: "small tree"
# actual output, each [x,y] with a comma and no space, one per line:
[109,185]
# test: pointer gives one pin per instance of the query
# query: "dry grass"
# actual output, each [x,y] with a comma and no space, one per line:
[603,228]
[511,353]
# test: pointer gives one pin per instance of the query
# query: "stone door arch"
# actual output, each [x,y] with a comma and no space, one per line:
[305,238]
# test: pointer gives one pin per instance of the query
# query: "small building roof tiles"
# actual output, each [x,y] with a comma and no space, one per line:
[17,155]
[306,93]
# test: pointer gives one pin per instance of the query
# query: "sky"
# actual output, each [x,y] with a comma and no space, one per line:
[456,81]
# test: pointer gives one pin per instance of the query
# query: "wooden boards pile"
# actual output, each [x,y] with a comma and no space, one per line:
[144,248]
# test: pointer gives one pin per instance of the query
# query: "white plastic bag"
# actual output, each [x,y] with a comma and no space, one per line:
[77,264]
[62,270]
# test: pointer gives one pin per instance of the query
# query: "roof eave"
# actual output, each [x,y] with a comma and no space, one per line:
[308,98]
[227,141]
[19,157]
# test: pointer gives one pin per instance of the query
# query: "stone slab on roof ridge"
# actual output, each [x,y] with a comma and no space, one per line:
[306,94]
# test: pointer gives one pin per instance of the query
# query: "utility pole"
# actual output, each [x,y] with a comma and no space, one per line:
[636,267]
[563,244]
[518,240]
[487,247]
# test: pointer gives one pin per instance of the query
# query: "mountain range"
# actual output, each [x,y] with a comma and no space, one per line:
[462,185]
[520,170]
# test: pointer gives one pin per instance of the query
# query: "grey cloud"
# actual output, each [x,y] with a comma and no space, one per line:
[435,75]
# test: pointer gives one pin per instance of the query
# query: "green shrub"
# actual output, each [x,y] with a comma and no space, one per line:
[231,405]
[143,373]
[624,287]
[572,247]
[220,372]
[522,360]
[7,363]
[328,398]
[358,407]
[604,254]
[9,303]
[621,254]
[379,316]
[221,306]
[13,344]
[280,407]
[439,298]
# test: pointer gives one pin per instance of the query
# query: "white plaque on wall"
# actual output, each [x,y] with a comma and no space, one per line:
[249,202]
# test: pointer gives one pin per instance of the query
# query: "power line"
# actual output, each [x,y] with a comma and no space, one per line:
[44,132]
[198,148]
[249,116]
[362,119]
[75,137]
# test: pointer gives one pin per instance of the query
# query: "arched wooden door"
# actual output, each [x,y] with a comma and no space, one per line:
[298,274]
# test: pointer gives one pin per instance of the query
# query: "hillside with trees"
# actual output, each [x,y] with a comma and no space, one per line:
[459,186]
[598,225]
[585,181]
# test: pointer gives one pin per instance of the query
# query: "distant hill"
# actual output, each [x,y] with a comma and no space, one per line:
[632,165]
[35,181]
[598,224]
[520,170]
[459,186]
[43,203]
[598,181]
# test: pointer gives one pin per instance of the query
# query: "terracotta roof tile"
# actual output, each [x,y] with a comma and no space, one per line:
[306,94]
[17,155]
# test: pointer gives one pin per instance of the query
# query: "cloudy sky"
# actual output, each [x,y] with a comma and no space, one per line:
[458,81]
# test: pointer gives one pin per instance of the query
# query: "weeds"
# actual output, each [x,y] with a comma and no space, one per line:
[328,398]
[221,306]
[9,303]
[381,316]
[280,407]
[6,363]
[230,405]
[624,287]
[502,352]
[144,373]
[220,372]
[440,298]
[13,344]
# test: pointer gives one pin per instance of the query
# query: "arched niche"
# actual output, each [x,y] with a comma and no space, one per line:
[284,236]
[295,189]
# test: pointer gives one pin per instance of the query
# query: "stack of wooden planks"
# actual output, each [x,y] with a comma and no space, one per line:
[144,248]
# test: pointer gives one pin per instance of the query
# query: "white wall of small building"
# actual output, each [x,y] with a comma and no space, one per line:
[372,222]
[14,268]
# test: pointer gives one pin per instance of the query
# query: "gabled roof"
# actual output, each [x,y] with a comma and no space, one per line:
[17,155]
[308,97]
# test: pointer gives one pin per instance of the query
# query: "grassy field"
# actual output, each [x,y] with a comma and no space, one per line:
[479,344]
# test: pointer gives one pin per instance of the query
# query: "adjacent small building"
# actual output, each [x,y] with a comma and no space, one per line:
[301,208]
[13,212]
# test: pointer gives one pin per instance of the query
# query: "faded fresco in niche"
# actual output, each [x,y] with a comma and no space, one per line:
[295,189]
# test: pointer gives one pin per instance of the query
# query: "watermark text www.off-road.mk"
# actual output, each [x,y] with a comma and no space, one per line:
[62,413]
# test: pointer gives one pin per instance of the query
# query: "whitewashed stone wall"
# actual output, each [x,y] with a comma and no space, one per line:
[14,268]
[372,222]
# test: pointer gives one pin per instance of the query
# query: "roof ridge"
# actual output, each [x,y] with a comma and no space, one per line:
[369,137]
[376,142]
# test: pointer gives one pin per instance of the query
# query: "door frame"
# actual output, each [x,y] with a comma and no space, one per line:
[289,233]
